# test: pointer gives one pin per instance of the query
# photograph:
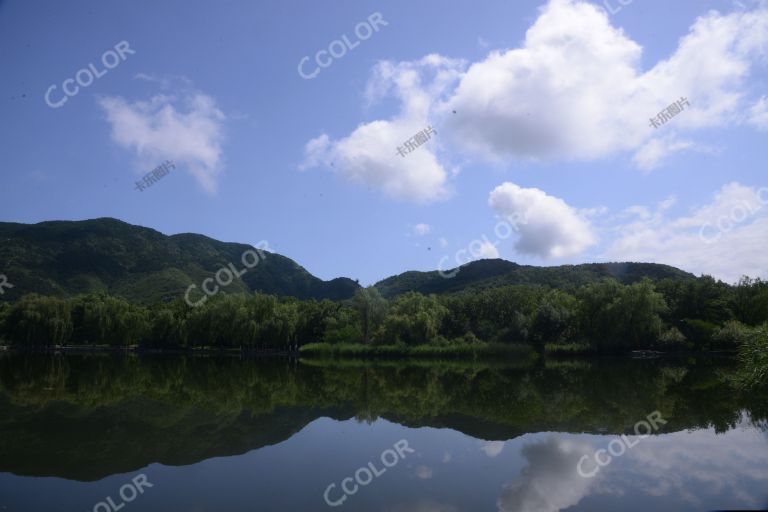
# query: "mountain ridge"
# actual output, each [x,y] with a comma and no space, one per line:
[112,256]
[107,255]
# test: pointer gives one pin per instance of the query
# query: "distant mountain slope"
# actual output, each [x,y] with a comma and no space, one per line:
[141,264]
[108,255]
[497,272]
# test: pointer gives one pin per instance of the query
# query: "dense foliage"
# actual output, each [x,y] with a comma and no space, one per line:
[753,356]
[66,258]
[494,273]
[604,316]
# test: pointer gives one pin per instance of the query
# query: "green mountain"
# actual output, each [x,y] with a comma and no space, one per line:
[494,273]
[107,255]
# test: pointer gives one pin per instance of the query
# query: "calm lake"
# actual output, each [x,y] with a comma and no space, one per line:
[172,433]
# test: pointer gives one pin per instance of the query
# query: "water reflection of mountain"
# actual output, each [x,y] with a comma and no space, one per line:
[87,417]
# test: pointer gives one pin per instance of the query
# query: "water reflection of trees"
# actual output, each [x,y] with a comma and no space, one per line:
[88,416]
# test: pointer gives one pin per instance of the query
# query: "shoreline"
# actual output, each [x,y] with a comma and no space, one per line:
[361,351]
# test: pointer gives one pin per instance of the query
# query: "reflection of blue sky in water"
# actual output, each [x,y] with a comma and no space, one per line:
[424,506]
[448,472]
[696,470]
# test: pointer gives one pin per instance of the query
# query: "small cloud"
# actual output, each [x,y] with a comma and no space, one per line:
[589,213]
[486,250]
[424,472]
[165,82]
[668,203]
[653,153]
[492,448]
[758,114]
[421,229]
[443,242]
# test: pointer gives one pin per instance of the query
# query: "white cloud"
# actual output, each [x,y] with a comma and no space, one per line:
[696,467]
[699,467]
[595,212]
[443,242]
[652,154]
[550,228]
[725,238]
[368,156]
[575,88]
[188,131]
[421,229]
[758,114]
[484,250]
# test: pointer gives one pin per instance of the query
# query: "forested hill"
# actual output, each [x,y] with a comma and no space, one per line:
[107,255]
[64,258]
[494,273]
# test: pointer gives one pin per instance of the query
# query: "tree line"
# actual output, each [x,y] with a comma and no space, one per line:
[605,316]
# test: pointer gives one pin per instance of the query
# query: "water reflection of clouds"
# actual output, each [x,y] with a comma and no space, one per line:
[550,482]
[424,472]
[492,448]
[695,467]
[698,465]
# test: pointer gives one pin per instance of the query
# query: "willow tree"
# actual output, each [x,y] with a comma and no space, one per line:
[372,308]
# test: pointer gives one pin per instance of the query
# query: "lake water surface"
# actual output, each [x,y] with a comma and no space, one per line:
[102,432]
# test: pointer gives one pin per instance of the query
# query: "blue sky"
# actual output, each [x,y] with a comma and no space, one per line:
[552,105]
